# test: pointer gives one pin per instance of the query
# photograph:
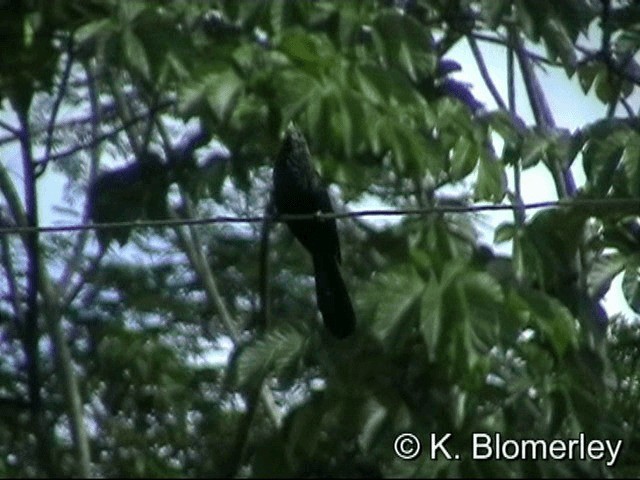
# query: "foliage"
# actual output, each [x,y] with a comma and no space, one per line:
[111,354]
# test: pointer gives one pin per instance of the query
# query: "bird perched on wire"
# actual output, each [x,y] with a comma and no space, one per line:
[298,189]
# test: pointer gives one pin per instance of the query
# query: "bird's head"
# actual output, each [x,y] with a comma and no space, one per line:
[294,146]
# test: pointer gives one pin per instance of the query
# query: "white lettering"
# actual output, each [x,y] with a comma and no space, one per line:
[613,452]
[595,450]
[493,447]
[558,450]
[538,449]
[482,440]
[438,445]
[515,450]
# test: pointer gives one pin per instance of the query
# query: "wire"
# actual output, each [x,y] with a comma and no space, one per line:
[610,203]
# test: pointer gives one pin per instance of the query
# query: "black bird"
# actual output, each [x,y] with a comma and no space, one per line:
[133,192]
[298,189]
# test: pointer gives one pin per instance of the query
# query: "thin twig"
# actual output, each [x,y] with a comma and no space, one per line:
[193,248]
[264,267]
[520,213]
[62,90]
[477,54]
[538,59]
[112,133]
[74,263]
[563,178]
[13,130]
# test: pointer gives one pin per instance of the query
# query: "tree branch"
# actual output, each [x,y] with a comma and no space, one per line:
[477,54]
[10,273]
[11,129]
[31,330]
[62,90]
[74,261]
[563,179]
[193,249]
[38,282]
[100,138]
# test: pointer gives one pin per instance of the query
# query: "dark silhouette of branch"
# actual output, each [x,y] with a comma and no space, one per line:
[10,128]
[31,329]
[62,90]
[18,313]
[563,178]
[73,264]
[477,54]
[263,315]
[503,41]
[112,133]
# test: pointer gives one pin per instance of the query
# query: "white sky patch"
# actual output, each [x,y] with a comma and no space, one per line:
[371,202]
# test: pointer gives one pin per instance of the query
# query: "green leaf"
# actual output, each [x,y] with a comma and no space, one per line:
[534,149]
[494,10]
[553,320]
[90,32]
[631,284]
[298,91]
[631,163]
[587,74]
[484,297]
[559,44]
[431,316]
[532,15]
[270,459]
[300,47]
[277,351]
[417,154]
[316,111]
[602,272]
[306,428]
[601,158]
[482,288]
[135,54]
[132,9]
[406,61]
[222,90]
[464,158]
[491,183]
[373,430]
[504,232]
[370,87]
[357,110]
[307,49]
[387,87]
[607,87]
[503,124]
[558,412]
[403,42]
[396,295]
[192,99]
[575,16]
[343,126]
[556,235]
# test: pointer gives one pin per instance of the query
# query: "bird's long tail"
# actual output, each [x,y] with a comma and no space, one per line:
[333,299]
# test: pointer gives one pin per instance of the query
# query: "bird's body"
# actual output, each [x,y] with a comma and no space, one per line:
[298,189]
[133,192]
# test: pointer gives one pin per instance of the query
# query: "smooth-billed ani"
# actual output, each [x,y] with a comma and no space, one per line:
[298,189]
